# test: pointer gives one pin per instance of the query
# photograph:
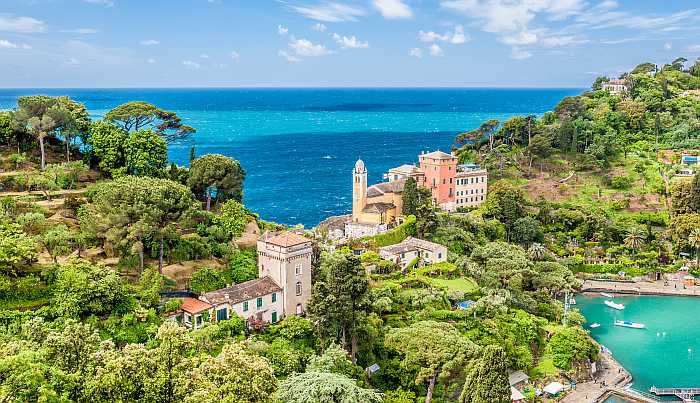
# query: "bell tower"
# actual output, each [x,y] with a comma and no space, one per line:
[359,189]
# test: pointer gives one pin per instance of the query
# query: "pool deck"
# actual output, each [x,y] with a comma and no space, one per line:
[641,288]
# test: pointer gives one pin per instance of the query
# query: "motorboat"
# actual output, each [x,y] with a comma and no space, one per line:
[614,305]
[606,295]
[627,323]
[595,325]
[572,301]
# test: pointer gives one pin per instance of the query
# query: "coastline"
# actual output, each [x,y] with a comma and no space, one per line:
[640,288]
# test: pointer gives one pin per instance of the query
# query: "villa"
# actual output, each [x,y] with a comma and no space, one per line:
[283,286]
[377,208]
[689,165]
[412,248]
[616,87]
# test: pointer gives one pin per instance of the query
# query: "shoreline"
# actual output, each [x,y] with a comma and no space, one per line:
[641,288]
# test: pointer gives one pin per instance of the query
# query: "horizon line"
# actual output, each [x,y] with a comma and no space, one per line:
[290,87]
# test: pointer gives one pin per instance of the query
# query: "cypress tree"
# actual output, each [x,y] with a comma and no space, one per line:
[410,197]
[487,380]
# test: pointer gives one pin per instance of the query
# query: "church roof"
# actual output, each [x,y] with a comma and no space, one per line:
[286,239]
[378,207]
[386,187]
[438,155]
[243,292]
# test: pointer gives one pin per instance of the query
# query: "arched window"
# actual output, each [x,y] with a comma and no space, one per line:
[298,288]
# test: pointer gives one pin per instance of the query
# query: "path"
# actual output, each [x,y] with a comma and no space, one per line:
[610,375]
[641,288]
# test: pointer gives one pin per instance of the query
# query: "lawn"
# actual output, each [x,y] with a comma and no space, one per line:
[465,285]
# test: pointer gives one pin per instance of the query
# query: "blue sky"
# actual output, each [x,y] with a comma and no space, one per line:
[504,43]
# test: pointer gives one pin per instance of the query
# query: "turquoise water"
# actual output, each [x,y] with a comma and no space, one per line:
[666,353]
[298,146]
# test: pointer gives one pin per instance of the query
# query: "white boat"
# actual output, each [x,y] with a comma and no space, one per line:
[606,295]
[626,323]
[613,305]
[595,325]
[572,301]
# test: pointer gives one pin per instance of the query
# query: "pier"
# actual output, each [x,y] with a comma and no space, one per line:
[685,394]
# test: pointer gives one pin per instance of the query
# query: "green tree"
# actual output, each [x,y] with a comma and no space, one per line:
[526,230]
[215,175]
[694,242]
[17,249]
[437,349]
[137,115]
[150,284]
[107,142]
[340,300]
[146,154]
[572,345]
[324,387]
[537,251]
[85,288]
[206,279]
[505,202]
[39,116]
[635,239]
[409,197]
[57,240]
[75,122]
[487,380]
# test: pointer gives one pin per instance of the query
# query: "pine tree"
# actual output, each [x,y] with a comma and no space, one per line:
[487,380]
[410,197]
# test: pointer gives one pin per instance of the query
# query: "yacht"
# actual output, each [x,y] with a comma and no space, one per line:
[626,323]
[606,295]
[595,325]
[613,305]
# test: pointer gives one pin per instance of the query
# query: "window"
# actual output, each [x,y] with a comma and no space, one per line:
[274,317]
[199,320]
[297,269]
[450,180]
[439,255]
[274,297]
[444,181]
[245,306]
[298,288]
[221,314]
[259,302]
[188,318]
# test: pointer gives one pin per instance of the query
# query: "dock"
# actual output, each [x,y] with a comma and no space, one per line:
[685,394]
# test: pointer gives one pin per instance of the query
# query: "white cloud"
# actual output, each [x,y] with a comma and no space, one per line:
[693,48]
[668,46]
[288,57]
[282,30]
[393,9]
[22,25]
[350,42]
[456,37]
[235,56]
[519,54]
[435,50]
[71,61]
[565,40]
[523,37]
[151,61]
[26,46]
[204,56]
[107,3]
[190,65]
[330,12]
[319,27]
[304,47]
[150,42]
[5,44]
[416,52]
[81,31]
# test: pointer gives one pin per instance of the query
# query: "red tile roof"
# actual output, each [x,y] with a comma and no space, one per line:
[287,239]
[193,305]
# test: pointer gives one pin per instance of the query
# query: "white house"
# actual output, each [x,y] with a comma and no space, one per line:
[411,248]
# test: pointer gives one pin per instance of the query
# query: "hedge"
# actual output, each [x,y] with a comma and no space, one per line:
[396,235]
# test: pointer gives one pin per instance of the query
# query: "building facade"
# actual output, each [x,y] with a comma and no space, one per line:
[439,169]
[261,299]
[615,87]
[412,248]
[471,186]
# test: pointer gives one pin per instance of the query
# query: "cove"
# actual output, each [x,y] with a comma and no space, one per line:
[666,353]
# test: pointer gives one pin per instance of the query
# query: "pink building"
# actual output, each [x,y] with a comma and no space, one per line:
[440,169]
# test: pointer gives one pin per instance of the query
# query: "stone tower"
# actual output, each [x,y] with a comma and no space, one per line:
[359,189]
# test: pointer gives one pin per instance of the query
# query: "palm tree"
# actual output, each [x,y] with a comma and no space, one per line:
[537,251]
[40,127]
[694,241]
[634,239]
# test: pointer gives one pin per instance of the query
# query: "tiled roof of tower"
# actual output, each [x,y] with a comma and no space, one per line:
[286,239]
[193,305]
[437,155]
[243,291]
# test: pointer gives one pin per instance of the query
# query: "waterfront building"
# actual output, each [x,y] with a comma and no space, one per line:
[439,169]
[412,248]
[471,185]
[283,286]
[615,87]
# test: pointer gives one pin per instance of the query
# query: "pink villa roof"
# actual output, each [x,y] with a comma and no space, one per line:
[193,305]
[287,239]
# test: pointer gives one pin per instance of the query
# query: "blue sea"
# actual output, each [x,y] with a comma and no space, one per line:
[298,146]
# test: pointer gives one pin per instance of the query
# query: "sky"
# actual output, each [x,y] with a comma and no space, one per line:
[337,43]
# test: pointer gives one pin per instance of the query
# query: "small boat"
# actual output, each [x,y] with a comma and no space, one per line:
[626,323]
[595,325]
[572,301]
[606,295]
[613,305]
